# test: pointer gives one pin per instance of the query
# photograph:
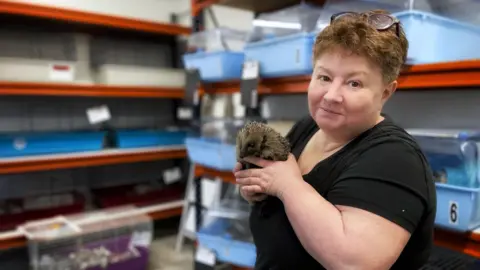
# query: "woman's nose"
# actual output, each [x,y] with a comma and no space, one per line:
[333,94]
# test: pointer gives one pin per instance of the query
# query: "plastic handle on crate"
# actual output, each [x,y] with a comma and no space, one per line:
[19,143]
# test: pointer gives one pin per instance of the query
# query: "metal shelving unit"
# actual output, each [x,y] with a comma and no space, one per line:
[72,20]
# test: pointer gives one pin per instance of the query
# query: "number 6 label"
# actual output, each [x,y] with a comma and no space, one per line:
[453,213]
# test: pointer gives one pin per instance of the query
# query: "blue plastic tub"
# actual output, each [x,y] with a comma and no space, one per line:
[457,207]
[228,250]
[149,138]
[453,156]
[435,38]
[17,145]
[211,153]
[283,56]
[216,66]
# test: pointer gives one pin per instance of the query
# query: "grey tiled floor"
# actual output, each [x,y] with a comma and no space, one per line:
[164,257]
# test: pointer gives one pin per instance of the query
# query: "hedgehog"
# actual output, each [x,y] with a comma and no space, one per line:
[260,140]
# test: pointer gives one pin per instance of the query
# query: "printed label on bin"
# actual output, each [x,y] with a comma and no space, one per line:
[61,72]
[141,239]
[453,213]
[205,256]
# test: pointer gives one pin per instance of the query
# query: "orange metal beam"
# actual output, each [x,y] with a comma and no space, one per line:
[57,89]
[431,76]
[73,161]
[226,176]
[67,15]
[198,5]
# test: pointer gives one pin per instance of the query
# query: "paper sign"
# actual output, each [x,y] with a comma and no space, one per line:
[172,175]
[184,113]
[98,114]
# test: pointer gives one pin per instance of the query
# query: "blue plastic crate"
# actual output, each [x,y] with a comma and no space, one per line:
[27,144]
[149,138]
[457,207]
[453,156]
[226,249]
[283,56]
[216,66]
[211,153]
[434,38]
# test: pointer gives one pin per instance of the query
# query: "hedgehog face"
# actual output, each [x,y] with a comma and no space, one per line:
[252,145]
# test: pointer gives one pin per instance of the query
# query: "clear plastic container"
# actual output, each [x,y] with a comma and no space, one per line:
[287,21]
[218,39]
[226,229]
[452,154]
[112,239]
[334,6]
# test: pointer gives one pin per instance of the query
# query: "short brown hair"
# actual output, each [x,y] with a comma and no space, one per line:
[356,35]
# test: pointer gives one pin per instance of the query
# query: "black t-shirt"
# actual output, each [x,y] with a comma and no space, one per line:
[388,176]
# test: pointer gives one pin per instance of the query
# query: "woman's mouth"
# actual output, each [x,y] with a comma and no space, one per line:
[329,111]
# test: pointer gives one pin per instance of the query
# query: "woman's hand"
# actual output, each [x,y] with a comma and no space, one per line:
[250,193]
[273,178]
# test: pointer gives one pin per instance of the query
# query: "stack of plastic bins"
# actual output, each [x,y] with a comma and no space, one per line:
[29,144]
[454,159]
[226,230]
[218,55]
[30,55]
[433,38]
[294,44]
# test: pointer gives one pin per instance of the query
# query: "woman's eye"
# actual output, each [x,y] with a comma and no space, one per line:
[323,78]
[355,84]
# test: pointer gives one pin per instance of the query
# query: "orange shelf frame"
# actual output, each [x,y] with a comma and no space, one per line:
[427,76]
[68,15]
[86,159]
[61,89]
[226,176]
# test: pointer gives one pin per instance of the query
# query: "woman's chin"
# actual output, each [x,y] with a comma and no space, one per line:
[327,120]
[328,123]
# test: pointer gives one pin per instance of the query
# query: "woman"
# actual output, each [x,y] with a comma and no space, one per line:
[356,192]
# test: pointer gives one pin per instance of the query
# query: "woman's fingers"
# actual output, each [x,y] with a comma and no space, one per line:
[253,193]
[252,189]
[259,197]
[238,167]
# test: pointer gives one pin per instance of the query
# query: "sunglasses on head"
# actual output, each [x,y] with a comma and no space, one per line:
[380,21]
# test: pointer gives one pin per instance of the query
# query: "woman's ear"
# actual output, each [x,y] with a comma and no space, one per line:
[388,91]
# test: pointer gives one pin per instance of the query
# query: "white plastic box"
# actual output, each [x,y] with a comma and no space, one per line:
[111,74]
[37,70]
[43,57]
